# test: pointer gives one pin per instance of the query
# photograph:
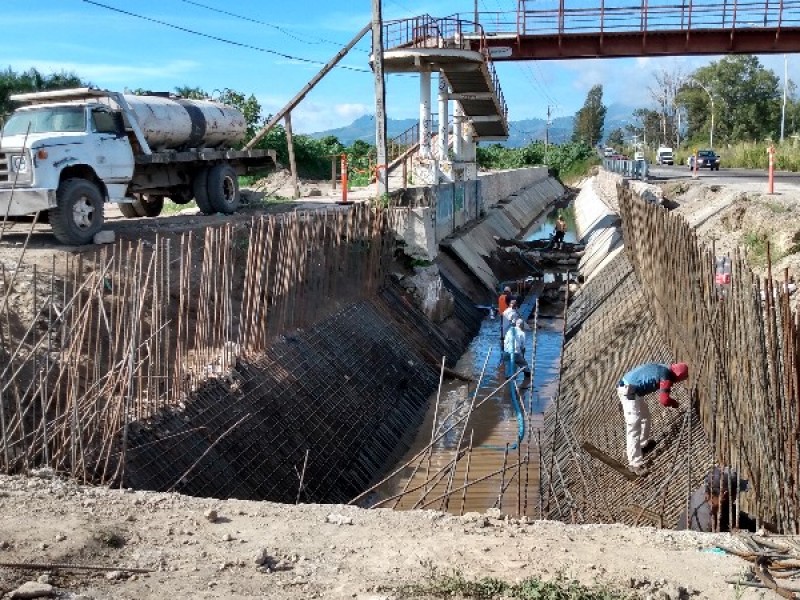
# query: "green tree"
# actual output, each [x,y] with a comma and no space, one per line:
[616,138]
[33,80]
[646,126]
[590,119]
[747,100]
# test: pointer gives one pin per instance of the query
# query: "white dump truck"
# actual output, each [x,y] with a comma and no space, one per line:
[68,152]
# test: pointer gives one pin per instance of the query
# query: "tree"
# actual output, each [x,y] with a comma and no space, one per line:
[616,138]
[664,93]
[33,80]
[646,127]
[747,100]
[590,119]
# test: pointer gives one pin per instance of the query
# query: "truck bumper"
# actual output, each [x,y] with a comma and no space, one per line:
[25,201]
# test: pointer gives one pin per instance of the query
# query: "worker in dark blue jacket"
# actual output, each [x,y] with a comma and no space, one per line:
[631,389]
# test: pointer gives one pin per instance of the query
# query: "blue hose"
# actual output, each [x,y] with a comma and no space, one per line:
[515,401]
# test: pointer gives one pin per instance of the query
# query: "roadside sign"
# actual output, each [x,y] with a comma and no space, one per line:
[500,52]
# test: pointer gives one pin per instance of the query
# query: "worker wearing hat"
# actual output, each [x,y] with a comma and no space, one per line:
[631,389]
[712,506]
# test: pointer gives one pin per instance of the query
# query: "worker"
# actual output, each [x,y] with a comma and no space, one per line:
[635,384]
[561,230]
[712,506]
[504,299]
[510,315]
[514,347]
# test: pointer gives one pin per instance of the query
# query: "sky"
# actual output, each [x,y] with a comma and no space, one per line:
[272,48]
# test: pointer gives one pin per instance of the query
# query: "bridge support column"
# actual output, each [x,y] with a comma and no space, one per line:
[425,114]
[458,140]
[444,118]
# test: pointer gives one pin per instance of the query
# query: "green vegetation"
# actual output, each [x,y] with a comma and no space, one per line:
[565,160]
[32,80]
[756,243]
[489,588]
[590,119]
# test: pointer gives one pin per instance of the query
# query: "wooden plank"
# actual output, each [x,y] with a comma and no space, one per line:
[611,462]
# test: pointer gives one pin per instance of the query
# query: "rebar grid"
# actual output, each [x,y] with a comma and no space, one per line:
[101,340]
[739,407]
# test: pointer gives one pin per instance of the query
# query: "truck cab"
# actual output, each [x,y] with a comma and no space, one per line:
[664,156]
[67,158]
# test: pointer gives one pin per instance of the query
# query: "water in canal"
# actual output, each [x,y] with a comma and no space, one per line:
[490,439]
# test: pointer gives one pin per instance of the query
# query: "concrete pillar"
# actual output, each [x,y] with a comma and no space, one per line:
[425,114]
[458,133]
[444,118]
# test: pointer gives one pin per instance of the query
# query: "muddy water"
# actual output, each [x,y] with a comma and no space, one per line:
[490,437]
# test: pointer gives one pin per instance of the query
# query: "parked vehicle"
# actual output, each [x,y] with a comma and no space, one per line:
[664,156]
[69,151]
[638,155]
[608,152]
[705,159]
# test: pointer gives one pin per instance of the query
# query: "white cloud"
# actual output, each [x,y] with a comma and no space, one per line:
[110,75]
[310,117]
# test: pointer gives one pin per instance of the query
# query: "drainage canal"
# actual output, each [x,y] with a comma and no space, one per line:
[488,456]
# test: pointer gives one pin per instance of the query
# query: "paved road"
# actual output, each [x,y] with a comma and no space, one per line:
[751,177]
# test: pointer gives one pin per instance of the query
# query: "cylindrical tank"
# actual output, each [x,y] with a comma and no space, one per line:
[169,123]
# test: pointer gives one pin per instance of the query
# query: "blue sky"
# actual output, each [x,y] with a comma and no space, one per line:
[115,51]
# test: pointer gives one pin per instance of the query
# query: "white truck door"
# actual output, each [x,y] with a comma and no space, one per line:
[114,159]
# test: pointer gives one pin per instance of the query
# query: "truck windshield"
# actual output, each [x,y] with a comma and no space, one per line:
[52,119]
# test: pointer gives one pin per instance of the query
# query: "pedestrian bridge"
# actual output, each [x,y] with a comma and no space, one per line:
[554,29]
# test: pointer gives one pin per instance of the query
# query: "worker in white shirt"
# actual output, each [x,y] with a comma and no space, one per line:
[510,315]
[514,346]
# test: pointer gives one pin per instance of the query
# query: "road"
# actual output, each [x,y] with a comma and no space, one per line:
[757,178]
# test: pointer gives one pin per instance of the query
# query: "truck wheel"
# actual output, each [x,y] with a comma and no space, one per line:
[223,189]
[200,187]
[78,214]
[128,210]
[147,205]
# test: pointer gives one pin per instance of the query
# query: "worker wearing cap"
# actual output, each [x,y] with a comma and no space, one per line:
[514,346]
[712,505]
[631,389]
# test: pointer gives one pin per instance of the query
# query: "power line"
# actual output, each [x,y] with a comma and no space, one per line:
[221,39]
[271,25]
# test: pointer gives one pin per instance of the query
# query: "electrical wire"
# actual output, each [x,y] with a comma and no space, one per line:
[221,39]
[271,25]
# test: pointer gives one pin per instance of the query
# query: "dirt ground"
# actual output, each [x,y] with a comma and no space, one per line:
[266,550]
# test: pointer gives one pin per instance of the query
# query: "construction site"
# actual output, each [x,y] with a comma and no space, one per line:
[317,401]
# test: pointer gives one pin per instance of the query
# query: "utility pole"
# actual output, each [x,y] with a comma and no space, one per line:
[546,134]
[476,17]
[381,174]
[785,84]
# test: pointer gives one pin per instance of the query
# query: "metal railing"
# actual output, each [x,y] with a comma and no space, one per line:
[426,31]
[537,18]
[634,169]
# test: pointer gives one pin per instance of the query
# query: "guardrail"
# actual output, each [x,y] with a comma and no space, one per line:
[634,169]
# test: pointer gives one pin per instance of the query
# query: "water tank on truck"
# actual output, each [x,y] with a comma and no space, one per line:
[176,124]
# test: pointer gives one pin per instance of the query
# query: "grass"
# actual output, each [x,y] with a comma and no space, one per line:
[755,243]
[170,208]
[489,588]
[577,170]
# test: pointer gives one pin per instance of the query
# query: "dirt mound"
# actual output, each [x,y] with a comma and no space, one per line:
[729,217]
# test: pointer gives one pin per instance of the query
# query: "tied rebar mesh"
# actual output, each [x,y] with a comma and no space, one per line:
[92,343]
[349,392]
[738,409]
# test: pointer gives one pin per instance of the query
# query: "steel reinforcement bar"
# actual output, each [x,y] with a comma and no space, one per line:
[91,343]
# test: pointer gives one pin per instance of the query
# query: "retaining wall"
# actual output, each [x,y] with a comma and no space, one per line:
[436,212]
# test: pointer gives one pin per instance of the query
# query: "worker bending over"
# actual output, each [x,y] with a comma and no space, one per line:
[514,347]
[635,384]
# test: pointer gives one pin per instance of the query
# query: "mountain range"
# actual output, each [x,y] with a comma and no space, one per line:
[521,132]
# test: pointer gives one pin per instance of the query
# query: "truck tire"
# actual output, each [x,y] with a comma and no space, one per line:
[128,210]
[78,213]
[147,205]
[223,188]
[200,187]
